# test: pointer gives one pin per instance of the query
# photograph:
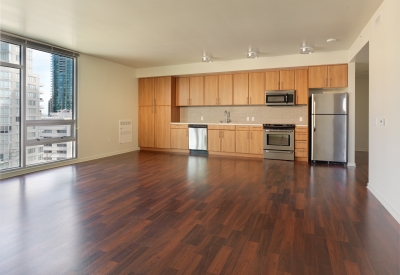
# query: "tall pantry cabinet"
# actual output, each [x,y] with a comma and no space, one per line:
[156,111]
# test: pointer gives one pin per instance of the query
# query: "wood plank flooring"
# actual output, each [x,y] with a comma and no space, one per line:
[160,213]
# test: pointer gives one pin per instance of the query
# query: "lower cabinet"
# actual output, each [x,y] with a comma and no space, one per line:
[154,126]
[249,139]
[221,138]
[301,143]
[179,136]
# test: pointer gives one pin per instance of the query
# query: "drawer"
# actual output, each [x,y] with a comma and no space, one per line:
[301,136]
[301,129]
[301,153]
[221,127]
[256,128]
[242,128]
[300,145]
[179,126]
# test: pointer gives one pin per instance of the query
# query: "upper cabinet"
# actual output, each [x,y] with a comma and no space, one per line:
[241,89]
[331,76]
[301,86]
[211,90]
[279,80]
[256,88]
[190,91]
[225,89]
[155,91]
[146,91]
[182,91]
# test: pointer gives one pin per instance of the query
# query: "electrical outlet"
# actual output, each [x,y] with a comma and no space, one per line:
[248,119]
[301,118]
[201,118]
[252,118]
[382,122]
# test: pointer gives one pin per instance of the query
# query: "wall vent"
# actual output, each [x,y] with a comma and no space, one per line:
[125,130]
[377,21]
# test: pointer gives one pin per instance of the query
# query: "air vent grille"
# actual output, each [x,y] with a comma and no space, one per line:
[125,131]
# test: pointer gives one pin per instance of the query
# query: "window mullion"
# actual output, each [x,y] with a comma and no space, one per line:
[22,96]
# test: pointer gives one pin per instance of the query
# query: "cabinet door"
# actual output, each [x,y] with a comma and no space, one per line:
[241,89]
[179,139]
[242,141]
[211,90]
[162,91]
[214,140]
[337,76]
[256,142]
[317,77]
[146,91]
[162,132]
[196,90]
[225,89]
[228,141]
[301,86]
[182,91]
[272,80]
[286,79]
[256,88]
[146,126]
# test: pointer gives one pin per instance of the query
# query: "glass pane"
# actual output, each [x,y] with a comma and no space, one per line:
[281,140]
[52,131]
[49,152]
[10,53]
[50,85]
[9,118]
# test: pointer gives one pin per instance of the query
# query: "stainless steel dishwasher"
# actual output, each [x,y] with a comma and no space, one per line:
[198,139]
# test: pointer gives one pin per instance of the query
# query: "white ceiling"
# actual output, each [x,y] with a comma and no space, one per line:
[149,33]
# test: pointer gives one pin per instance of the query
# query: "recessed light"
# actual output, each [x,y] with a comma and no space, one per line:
[331,40]
[306,50]
[252,54]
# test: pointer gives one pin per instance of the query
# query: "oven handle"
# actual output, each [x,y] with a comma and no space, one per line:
[277,131]
[283,152]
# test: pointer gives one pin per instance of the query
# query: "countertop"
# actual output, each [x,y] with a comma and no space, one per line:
[208,123]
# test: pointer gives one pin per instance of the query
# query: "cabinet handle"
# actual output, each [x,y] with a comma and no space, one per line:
[251,135]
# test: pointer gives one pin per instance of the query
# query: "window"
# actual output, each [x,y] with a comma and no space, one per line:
[55,105]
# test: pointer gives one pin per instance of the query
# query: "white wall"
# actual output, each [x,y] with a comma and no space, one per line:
[384,98]
[362,100]
[107,92]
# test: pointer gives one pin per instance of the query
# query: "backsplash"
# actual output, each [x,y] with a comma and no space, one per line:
[239,114]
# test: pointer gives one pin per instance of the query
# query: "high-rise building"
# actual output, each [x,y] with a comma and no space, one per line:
[62,83]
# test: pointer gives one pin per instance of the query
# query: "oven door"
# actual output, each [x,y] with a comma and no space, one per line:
[278,139]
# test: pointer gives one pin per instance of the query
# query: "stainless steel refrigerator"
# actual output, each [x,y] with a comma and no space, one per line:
[329,120]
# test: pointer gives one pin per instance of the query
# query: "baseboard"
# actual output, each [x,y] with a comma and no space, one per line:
[19,172]
[353,164]
[385,203]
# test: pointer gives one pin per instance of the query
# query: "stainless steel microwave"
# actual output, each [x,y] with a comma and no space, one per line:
[280,98]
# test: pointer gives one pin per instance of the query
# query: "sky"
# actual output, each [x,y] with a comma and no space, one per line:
[41,65]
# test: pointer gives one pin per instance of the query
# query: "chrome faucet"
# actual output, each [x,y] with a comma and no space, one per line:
[227,118]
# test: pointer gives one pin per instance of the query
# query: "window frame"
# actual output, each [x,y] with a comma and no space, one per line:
[24,123]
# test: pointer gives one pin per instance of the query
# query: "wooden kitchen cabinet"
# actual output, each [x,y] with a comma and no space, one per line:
[301,143]
[272,80]
[301,86]
[179,136]
[279,80]
[256,88]
[211,95]
[286,80]
[241,89]
[331,76]
[182,91]
[155,116]
[249,139]
[221,138]
[196,90]
[225,89]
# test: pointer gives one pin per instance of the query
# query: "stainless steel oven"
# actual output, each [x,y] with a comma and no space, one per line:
[279,141]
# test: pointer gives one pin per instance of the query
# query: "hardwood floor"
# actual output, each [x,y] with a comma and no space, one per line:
[159,213]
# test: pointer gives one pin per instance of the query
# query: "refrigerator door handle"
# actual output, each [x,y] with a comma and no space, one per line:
[315,128]
[314,115]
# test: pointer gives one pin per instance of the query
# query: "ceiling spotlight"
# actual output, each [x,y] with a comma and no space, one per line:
[206,58]
[252,54]
[306,50]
